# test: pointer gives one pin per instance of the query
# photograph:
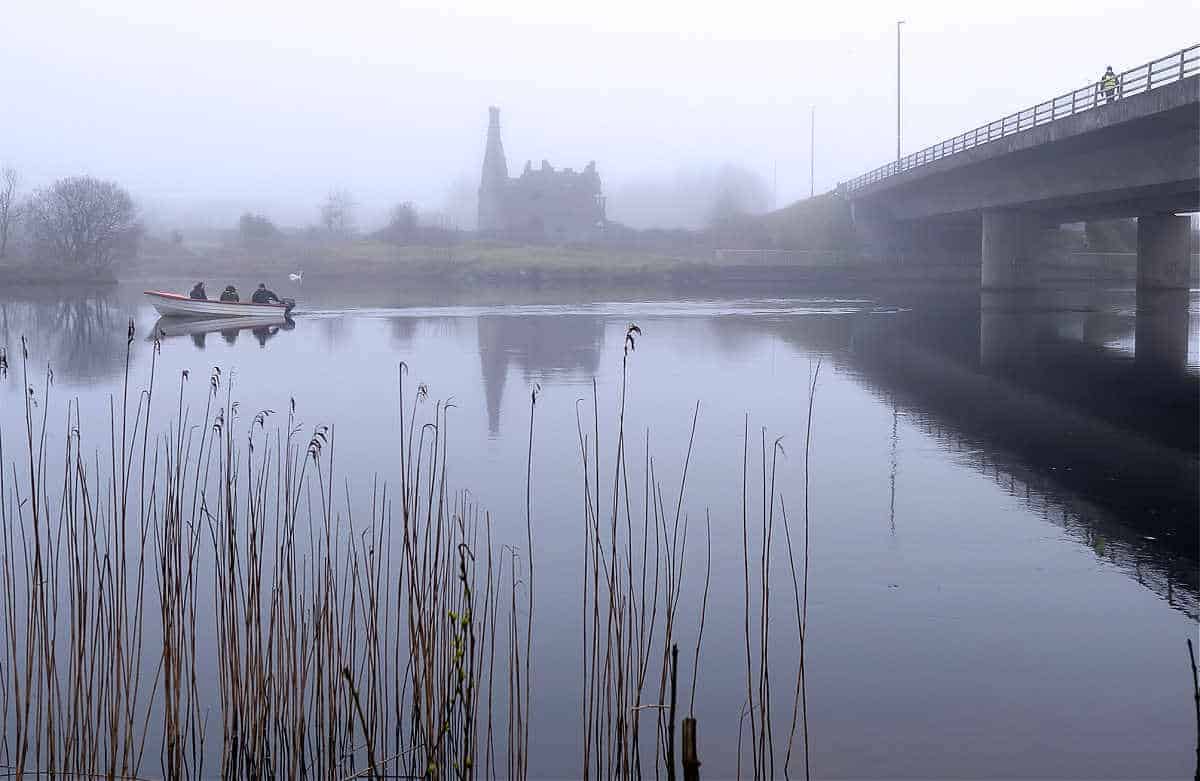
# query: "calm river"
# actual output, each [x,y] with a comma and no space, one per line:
[1003,492]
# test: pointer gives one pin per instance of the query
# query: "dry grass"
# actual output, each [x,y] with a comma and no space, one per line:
[463,259]
[283,636]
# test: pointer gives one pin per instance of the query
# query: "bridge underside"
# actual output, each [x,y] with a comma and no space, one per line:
[1138,157]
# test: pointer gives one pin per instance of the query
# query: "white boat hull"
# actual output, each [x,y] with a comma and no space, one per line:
[175,305]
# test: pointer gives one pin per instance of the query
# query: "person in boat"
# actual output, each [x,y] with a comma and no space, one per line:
[230,294]
[264,295]
[198,293]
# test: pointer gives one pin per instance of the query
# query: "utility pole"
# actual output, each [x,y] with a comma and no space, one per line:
[812,153]
[898,23]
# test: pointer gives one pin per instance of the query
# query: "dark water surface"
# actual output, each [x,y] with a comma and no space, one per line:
[1003,498]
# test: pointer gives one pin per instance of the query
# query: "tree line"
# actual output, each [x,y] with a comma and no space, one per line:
[78,221]
[86,222]
[337,220]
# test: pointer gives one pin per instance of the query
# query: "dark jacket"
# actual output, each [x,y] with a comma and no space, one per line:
[230,294]
[198,293]
[265,296]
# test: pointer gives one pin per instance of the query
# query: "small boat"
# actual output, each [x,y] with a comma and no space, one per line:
[176,305]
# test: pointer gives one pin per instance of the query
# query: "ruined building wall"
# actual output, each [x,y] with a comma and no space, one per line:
[540,204]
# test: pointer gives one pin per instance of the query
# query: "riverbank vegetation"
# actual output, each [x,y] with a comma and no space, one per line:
[209,596]
[85,230]
[76,229]
[453,258]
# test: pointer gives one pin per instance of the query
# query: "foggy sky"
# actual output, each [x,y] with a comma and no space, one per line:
[267,105]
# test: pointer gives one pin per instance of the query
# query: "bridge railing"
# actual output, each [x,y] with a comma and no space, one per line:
[1157,73]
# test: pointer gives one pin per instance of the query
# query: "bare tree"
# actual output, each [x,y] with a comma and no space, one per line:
[256,229]
[402,223]
[81,221]
[337,213]
[738,191]
[9,212]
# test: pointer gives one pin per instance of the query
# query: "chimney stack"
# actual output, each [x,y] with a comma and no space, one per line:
[494,176]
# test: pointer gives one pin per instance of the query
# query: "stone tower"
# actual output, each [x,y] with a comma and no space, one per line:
[494,179]
[541,204]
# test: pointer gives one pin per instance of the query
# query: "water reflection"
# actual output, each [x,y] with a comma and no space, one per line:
[542,347]
[403,329]
[198,329]
[335,330]
[82,336]
[1038,391]
[895,466]
[1161,340]
[1081,404]
[1103,445]
[1016,461]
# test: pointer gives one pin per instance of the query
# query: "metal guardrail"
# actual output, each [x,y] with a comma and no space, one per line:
[1158,73]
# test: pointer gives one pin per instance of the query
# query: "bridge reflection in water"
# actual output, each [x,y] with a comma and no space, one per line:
[1083,405]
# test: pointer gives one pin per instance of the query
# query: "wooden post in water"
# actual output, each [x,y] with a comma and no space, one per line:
[1196,694]
[671,722]
[691,762]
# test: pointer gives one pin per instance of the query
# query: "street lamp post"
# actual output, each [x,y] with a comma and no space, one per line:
[898,23]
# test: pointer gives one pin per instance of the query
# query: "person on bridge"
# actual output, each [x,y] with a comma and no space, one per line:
[264,296]
[1108,85]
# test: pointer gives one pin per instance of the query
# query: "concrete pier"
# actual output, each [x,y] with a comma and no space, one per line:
[1008,249]
[1136,156]
[1163,249]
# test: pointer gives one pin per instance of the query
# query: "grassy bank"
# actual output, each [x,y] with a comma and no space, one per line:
[367,258]
[476,263]
[20,274]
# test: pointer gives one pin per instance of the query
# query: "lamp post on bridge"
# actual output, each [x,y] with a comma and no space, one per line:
[898,23]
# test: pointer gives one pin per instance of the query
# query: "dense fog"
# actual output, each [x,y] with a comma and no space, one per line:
[207,110]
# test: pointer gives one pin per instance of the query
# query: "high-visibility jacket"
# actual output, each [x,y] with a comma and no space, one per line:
[1109,82]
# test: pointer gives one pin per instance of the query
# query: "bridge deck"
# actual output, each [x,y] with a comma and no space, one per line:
[1087,108]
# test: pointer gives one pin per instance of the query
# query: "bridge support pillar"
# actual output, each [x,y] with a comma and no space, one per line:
[1008,249]
[1163,248]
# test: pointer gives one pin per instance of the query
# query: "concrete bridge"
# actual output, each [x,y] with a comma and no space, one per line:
[1083,155]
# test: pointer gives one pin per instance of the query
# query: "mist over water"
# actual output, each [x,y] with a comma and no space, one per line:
[1003,556]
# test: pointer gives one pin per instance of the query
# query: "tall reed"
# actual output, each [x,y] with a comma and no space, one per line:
[343,646]
[205,594]
[758,599]
[632,587]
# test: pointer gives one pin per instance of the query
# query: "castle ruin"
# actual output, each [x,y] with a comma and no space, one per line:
[541,204]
